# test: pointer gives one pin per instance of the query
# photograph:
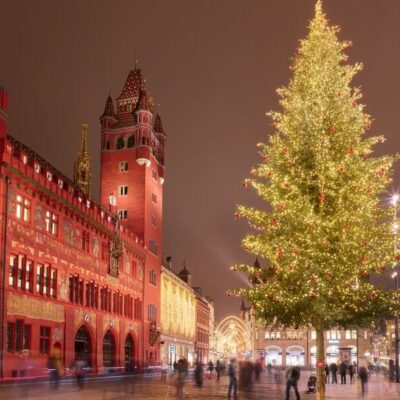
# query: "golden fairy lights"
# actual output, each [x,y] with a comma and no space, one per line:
[324,231]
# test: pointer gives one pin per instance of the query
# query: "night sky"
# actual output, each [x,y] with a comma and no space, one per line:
[213,66]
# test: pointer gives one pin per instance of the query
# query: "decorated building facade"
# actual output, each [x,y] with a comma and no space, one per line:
[79,276]
[178,324]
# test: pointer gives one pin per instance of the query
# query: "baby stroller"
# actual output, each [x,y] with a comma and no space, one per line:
[312,383]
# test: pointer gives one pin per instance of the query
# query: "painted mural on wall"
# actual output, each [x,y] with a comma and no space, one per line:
[38,216]
[68,231]
[95,246]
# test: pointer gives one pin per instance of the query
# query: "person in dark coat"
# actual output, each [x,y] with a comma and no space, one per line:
[343,371]
[218,368]
[232,378]
[363,376]
[333,368]
[198,375]
[351,373]
[326,373]
[257,370]
[293,376]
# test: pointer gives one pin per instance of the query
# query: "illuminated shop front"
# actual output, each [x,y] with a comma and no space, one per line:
[273,356]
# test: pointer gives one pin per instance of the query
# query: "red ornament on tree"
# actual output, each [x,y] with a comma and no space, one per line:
[296,327]
[374,295]
[245,184]
[333,129]
[237,215]
[281,206]
[363,259]
[365,274]
[313,295]
[233,268]
[351,151]
[321,197]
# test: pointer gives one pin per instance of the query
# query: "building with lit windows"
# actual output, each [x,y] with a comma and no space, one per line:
[78,275]
[288,347]
[178,311]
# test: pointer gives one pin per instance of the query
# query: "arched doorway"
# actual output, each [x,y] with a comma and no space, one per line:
[129,354]
[83,347]
[108,350]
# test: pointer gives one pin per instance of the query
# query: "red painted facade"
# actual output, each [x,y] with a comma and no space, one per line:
[72,274]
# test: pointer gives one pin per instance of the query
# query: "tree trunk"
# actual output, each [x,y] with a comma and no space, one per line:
[320,364]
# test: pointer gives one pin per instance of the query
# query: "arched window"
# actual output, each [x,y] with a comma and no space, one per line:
[120,143]
[129,354]
[83,346]
[131,141]
[108,350]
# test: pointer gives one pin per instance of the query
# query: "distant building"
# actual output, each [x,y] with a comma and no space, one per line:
[202,345]
[178,311]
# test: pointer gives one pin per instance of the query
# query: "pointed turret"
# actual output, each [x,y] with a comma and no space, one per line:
[144,103]
[82,166]
[109,108]
[126,101]
[256,263]
[158,128]
[185,275]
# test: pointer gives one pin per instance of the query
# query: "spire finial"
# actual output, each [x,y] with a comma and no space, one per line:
[82,167]
[136,60]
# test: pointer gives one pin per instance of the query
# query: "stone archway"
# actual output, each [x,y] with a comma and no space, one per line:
[233,339]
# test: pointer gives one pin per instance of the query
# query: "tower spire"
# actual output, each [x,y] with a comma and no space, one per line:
[82,166]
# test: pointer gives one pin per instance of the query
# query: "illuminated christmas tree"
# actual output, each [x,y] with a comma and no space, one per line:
[324,229]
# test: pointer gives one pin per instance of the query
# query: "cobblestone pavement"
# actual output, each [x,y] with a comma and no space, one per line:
[141,388]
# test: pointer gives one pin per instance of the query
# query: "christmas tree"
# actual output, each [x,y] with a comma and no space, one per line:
[324,229]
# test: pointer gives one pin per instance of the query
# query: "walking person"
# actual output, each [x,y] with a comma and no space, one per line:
[182,370]
[232,374]
[351,373]
[210,369]
[198,375]
[218,368]
[343,370]
[363,376]
[333,368]
[326,373]
[293,376]
[257,370]
[164,370]
[55,366]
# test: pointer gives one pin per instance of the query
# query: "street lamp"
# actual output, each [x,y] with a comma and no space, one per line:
[395,200]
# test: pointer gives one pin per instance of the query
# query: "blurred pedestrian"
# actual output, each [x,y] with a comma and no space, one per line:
[278,377]
[363,376]
[182,370]
[198,375]
[326,373]
[351,373]
[293,376]
[232,378]
[210,369]
[343,371]
[257,370]
[164,370]
[55,366]
[218,368]
[79,369]
[333,368]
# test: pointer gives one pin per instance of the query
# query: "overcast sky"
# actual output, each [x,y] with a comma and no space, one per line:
[213,66]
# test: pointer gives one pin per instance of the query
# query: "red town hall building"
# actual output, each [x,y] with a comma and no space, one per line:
[79,276]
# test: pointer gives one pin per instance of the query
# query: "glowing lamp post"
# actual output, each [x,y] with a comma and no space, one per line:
[395,200]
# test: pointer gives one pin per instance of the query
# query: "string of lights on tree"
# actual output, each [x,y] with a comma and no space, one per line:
[324,229]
